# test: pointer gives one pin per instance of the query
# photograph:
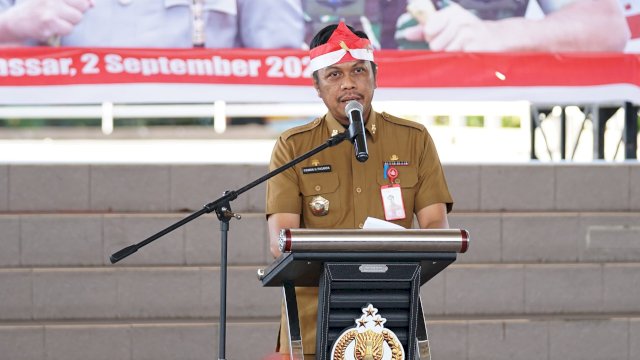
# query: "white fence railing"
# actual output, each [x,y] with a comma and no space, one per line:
[423,111]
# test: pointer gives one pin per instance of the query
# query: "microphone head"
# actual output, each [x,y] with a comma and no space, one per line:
[353,105]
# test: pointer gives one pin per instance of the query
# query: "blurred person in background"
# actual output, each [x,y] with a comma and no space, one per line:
[504,25]
[377,18]
[480,25]
[157,23]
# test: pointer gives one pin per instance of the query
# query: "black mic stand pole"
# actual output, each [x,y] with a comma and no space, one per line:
[223,210]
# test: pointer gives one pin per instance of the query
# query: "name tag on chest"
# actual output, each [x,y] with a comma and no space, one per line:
[316,169]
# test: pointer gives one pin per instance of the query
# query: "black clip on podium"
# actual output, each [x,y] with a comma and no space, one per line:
[386,272]
[223,210]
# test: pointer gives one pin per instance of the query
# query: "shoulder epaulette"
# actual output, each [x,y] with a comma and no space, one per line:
[401,121]
[300,129]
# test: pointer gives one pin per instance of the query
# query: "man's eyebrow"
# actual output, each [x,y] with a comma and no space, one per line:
[331,68]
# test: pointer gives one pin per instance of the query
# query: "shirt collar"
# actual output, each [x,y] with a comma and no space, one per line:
[371,126]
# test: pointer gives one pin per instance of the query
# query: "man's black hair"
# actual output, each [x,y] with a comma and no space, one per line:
[323,36]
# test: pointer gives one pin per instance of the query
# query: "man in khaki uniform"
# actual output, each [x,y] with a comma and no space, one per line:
[334,190]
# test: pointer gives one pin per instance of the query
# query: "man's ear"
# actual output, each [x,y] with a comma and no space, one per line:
[315,86]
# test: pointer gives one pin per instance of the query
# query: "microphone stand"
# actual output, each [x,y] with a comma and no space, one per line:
[222,208]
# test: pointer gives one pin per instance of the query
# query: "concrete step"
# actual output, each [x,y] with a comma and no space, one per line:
[130,293]
[193,292]
[545,186]
[534,289]
[77,240]
[547,339]
[136,341]
[127,188]
[531,237]
[172,188]
[491,339]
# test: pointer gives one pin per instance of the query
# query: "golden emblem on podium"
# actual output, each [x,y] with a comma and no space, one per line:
[368,340]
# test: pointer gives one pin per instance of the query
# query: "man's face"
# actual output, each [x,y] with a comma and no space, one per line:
[338,84]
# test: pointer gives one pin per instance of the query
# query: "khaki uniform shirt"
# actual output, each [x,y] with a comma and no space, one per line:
[352,188]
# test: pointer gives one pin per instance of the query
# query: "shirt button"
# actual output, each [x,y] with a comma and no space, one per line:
[361,225]
[358,190]
[397,181]
[318,187]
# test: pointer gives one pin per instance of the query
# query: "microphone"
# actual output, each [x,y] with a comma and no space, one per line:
[357,134]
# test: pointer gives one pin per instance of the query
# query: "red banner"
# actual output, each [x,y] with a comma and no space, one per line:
[25,71]
[46,66]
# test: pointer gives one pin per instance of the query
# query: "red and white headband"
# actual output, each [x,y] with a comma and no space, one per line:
[342,46]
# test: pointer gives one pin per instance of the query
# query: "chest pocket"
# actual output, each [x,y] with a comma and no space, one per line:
[408,181]
[407,177]
[315,188]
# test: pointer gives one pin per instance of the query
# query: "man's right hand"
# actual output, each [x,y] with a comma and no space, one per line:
[42,19]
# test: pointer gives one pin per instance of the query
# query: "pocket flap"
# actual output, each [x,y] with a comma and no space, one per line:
[321,183]
[407,177]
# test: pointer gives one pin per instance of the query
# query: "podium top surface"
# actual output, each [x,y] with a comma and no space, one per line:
[304,269]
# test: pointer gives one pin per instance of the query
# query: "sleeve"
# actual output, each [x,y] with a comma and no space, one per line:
[432,184]
[283,190]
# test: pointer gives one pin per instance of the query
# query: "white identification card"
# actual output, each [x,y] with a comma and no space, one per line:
[392,202]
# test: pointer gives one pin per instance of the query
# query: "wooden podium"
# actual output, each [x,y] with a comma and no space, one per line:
[385,269]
